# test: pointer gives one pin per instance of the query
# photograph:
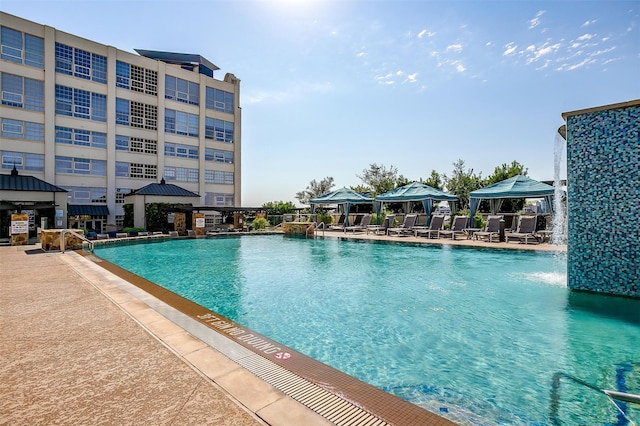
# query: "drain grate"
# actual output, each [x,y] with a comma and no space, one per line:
[328,405]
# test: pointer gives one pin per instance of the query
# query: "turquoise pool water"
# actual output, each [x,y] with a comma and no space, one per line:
[475,335]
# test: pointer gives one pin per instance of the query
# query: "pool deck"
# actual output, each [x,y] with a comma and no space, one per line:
[81,345]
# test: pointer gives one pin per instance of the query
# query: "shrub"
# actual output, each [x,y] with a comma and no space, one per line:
[325,218]
[259,224]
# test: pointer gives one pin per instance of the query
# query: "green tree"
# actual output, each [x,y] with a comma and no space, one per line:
[315,189]
[379,179]
[434,181]
[272,208]
[362,189]
[505,171]
[402,181]
[462,182]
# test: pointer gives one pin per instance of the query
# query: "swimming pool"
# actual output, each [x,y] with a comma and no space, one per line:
[475,335]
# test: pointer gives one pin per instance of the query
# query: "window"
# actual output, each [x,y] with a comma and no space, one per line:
[218,130]
[21,48]
[217,199]
[181,174]
[22,92]
[81,104]
[181,123]
[136,114]
[122,169]
[131,144]
[182,90]
[81,166]
[80,63]
[215,176]
[120,193]
[136,78]
[22,161]
[219,100]
[178,150]
[18,129]
[86,195]
[79,137]
[217,155]
[143,171]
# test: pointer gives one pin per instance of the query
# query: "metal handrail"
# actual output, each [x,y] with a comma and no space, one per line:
[80,236]
[612,395]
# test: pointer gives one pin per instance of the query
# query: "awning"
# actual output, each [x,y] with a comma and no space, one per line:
[87,210]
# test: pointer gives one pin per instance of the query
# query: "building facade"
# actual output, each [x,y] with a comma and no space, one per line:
[102,122]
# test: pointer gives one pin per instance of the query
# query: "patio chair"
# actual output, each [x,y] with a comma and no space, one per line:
[434,227]
[406,227]
[457,228]
[526,230]
[362,226]
[491,230]
[386,224]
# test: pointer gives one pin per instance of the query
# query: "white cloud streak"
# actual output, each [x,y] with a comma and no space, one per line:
[510,49]
[536,21]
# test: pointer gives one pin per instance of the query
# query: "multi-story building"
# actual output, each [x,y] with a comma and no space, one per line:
[101,122]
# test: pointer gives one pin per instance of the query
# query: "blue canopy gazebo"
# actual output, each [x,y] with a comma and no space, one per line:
[516,187]
[343,196]
[415,191]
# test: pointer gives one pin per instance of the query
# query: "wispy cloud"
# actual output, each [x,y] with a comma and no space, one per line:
[390,78]
[571,67]
[361,54]
[590,22]
[536,21]
[426,33]
[586,37]
[411,78]
[534,53]
[454,48]
[510,49]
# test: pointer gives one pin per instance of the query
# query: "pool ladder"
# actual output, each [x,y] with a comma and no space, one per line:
[611,394]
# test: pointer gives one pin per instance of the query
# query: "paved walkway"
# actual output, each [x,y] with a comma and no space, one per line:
[72,356]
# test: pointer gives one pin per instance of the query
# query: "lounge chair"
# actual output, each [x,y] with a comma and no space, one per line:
[526,230]
[362,226]
[406,227]
[339,224]
[434,227]
[386,224]
[457,228]
[491,230]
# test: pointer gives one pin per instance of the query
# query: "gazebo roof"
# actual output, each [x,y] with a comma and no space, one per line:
[163,189]
[342,196]
[516,187]
[415,191]
[17,182]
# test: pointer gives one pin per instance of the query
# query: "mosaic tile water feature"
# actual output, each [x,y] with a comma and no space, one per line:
[603,193]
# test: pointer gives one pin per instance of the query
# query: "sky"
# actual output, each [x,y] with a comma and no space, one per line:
[330,87]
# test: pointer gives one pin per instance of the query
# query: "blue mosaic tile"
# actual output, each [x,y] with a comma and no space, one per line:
[603,175]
